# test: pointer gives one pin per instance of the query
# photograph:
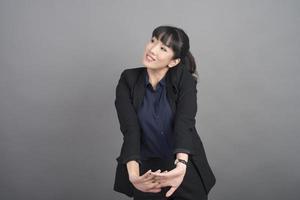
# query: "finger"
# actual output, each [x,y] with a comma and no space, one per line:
[158,178]
[164,184]
[153,185]
[158,182]
[150,181]
[164,173]
[145,175]
[141,178]
[161,176]
[150,177]
[171,191]
[155,178]
[158,186]
[152,174]
[169,174]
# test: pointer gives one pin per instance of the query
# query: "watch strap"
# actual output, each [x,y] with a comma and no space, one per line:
[180,160]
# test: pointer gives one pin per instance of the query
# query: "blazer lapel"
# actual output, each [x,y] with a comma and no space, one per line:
[139,89]
[171,88]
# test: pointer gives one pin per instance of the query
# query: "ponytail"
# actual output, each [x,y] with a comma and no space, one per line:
[189,62]
[178,40]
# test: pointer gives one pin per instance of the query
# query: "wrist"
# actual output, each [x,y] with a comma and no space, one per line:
[132,177]
[180,163]
[179,160]
[182,156]
[133,170]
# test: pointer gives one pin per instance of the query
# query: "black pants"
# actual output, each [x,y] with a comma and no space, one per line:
[191,187]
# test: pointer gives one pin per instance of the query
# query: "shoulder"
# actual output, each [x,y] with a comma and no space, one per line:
[131,72]
[185,79]
[129,76]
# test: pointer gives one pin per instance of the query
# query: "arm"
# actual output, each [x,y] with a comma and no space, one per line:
[186,109]
[128,121]
[184,125]
[183,156]
[133,169]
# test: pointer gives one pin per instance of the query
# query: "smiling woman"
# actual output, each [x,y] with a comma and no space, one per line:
[162,156]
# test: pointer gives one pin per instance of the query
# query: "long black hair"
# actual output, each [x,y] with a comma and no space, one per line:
[179,43]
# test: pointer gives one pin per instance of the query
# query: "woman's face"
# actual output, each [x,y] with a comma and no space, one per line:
[158,56]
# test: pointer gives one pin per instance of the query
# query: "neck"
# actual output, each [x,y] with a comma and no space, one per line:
[156,75]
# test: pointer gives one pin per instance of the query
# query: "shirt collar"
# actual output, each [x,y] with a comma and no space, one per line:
[161,82]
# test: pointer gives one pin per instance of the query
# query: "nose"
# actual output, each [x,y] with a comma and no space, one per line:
[153,49]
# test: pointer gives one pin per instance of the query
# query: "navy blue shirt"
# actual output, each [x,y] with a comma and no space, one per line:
[156,120]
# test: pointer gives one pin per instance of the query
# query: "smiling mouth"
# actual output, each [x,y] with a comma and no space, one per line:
[149,58]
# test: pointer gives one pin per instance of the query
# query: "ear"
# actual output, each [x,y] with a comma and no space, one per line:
[174,62]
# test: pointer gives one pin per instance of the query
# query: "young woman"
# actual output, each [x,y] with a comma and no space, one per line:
[162,156]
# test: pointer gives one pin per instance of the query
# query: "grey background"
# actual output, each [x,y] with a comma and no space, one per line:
[59,65]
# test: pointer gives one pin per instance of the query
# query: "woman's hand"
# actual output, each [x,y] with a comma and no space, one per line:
[146,182]
[172,178]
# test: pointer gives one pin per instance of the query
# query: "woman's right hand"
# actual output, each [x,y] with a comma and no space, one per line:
[146,182]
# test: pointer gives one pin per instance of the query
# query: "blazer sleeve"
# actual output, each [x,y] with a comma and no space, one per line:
[128,120]
[186,109]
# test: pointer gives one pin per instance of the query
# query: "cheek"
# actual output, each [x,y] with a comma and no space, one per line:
[146,48]
[149,45]
[164,58]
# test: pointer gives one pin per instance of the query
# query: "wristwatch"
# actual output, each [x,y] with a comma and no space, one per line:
[180,160]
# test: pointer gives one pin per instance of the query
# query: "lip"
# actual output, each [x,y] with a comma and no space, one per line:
[150,56]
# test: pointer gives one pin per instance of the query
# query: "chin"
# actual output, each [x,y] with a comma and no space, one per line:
[146,64]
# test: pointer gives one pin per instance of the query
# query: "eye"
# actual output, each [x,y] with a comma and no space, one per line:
[164,49]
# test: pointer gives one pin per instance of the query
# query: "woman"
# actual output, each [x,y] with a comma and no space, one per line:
[162,156]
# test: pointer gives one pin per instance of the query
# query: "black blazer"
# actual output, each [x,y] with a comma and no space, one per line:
[181,92]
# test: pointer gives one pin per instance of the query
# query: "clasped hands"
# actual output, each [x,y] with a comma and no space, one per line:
[154,181]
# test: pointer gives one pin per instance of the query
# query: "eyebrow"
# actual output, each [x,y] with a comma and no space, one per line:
[169,46]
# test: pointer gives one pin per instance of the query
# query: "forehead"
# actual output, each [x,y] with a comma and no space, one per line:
[165,39]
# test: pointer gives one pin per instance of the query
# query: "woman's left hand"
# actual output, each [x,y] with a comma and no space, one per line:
[171,178]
